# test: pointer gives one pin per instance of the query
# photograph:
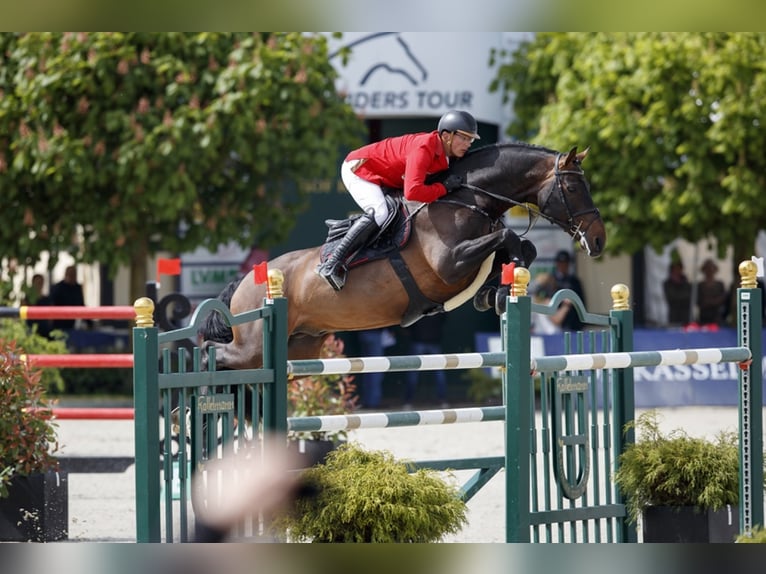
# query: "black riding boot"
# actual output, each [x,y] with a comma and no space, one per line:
[334,268]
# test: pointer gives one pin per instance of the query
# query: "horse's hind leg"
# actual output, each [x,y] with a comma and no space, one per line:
[245,351]
[303,346]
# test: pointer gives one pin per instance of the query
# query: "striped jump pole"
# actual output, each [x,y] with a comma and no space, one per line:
[68,312]
[394,363]
[554,363]
[396,419]
[641,359]
[88,361]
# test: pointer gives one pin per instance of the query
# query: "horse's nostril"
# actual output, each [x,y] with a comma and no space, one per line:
[600,243]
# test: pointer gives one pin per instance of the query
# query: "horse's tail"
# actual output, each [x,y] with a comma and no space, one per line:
[214,328]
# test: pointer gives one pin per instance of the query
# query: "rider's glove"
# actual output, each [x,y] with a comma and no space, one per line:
[453,182]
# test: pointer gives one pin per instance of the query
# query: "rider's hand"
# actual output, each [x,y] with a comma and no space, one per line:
[454,181]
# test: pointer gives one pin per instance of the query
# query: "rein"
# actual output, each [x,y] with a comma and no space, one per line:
[570,227]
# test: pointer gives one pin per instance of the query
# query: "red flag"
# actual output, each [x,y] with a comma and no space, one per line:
[261,272]
[168,267]
[507,274]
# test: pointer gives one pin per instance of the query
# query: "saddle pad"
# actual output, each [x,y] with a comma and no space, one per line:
[468,293]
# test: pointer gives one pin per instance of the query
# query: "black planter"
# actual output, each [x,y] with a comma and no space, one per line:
[36,509]
[690,524]
[310,452]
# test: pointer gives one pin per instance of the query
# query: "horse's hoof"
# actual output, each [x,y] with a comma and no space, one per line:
[482,299]
[528,252]
[501,299]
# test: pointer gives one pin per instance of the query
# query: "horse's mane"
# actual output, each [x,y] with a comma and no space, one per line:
[514,144]
[477,158]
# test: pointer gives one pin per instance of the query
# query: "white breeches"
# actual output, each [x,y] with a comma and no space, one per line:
[367,195]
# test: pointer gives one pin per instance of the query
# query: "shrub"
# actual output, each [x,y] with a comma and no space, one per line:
[34,344]
[757,536]
[678,470]
[368,496]
[27,432]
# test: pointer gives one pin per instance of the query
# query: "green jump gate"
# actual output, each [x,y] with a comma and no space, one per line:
[197,409]
[564,415]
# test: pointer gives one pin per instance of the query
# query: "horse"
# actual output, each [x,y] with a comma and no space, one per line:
[456,245]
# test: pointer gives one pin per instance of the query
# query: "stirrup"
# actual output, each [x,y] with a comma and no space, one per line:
[335,276]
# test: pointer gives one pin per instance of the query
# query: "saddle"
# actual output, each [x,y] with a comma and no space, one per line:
[393,235]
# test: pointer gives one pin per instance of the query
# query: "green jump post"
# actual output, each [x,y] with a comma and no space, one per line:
[517,394]
[147,432]
[621,326]
[275,356]
[749,334]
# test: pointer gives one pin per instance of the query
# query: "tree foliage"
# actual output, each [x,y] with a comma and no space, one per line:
[117,146]
[674,122]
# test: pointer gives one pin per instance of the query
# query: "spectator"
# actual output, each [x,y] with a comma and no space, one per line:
[543,288]
[35,296]
[711,295]
[67,292]
[678,294]
[372,344]
[565,279]
[425,339]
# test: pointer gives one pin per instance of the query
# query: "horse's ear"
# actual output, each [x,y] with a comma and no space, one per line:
[573,157]
[570,158]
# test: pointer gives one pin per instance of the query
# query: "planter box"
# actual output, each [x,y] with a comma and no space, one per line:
[690,524]
[37,508]
[310,452]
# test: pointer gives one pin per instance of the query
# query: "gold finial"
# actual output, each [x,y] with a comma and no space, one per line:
[144,308]
[521,278]
[276,283]
[748,270]
[620,297]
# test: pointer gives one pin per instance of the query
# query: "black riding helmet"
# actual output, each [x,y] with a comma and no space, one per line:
[459,121]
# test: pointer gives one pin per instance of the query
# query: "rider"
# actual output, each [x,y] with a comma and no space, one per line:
[396,162]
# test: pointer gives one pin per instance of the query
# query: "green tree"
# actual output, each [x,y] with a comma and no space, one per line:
[674,121]
[117,146]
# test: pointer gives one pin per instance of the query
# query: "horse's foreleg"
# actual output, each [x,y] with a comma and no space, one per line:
[485,297]
[467,255]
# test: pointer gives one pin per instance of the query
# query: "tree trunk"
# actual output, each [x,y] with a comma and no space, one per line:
[138,272]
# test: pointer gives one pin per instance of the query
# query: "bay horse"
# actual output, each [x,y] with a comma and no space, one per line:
[456,244]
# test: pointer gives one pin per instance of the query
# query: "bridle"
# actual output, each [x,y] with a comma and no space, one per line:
[574,230]
[570,227]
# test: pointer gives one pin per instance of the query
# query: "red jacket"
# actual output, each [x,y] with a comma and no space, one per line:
[404,161]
